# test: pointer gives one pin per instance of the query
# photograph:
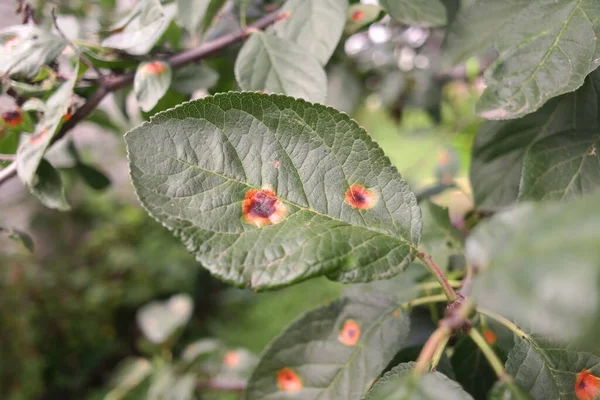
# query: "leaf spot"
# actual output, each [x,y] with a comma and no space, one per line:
[350,333]
[154,68]
[262,207]
[288,380]
[358,196]
[13,117]
[489,336]
[231,358]
[38,136]
[587,386]
[357,15]
[276,164]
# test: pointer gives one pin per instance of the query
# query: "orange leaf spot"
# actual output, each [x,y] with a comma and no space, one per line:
[587,386]
[288,380]
[231,358]
[276,164]
[262,207]
[350,333]
[489,336]
[360,197]
[13,117]
[38,136]
[67,116]
[154,68]
[357,15]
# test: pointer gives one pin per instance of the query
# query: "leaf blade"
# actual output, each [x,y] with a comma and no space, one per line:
[426,13]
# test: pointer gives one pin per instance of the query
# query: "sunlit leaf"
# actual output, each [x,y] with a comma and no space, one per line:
[268,190]
[425,13]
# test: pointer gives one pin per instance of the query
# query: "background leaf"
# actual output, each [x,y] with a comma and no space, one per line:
[191,14]
[270,64]
[151,82]
[313,349]
[359,15]
[193,166]
[426,13]
[22,237]
[194,77]
[48,187]
[92,176]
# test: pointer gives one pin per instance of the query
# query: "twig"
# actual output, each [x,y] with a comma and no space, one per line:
[115,82]
[437,356]
[504,321]
[437,272]
[490,355]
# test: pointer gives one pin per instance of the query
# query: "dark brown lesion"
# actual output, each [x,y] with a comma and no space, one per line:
[262,207]
[357,196]
[13,117]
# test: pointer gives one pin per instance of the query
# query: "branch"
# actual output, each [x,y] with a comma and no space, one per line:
[112,83]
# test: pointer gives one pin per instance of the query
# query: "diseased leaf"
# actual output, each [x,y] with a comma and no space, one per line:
[333,352]
[24,49]
[546,48]
[48,187]
[544,256]
[30,152]
[319,195]
[19,236]
[360,15]
[550,154]
[191,14]
[315,25]
[144,27]
[194,77]
[547,370]
[151,82]
[271,64]
[400,384]
[426,13]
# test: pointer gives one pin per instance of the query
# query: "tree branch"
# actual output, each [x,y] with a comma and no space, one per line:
[112,83]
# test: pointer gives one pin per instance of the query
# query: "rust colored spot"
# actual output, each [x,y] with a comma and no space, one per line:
[276,164]
[231,358]
[154,68]
[38,136]
[397,313]
[67,116]
[288,380]
[360,197]
[489,336]
[587,386]
[262,207]
[13,117]
[350,333]
[357,15]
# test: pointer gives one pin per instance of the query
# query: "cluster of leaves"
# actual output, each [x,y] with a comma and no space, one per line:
[270,189]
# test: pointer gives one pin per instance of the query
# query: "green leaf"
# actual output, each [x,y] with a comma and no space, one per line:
[93,177]
[151,82]
[547,370]
[545,256]
[333,352]
[360,15]
[271,64]
[190,14]
[169,100]
[473,372]
[546,49]
[194,77]
[400,384]
[143,29]
[48,187]
[19,236]
[110,61]
[192,167]
[24,49]
[427,13]
[159,320]
[550,154]
[439,238]
[508,391]
[30,153]
[315,25]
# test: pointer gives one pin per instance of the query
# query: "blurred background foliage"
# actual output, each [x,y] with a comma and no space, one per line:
[68,310]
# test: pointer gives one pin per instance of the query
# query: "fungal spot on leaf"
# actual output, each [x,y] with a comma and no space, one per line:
[231,358]
[38,136]
[262,207]
[276,164]
[350,333]
[358,196]
[13,117]
[587,386]
[67,116]
[489,336]
[154,68]
[288,380]
[357,15]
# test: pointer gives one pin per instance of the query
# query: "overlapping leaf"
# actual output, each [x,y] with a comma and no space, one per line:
[550,154]
[322,360]
[400,384]
[315,25]
[424,12]
[546,48]
[271,64]
[544,256]
[193,166]
[191,14]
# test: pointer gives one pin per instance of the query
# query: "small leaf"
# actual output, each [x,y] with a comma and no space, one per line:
[30,153]
[333,352]
[19,236]
[426,13]
[546,49]
[270,64]
[151,81]
[159,320]
[315,25]
[546,370]
[257,188]
[93,177]
[194,77]
[545,256]
[48,187]
[400,383]
[550,154]
[24,49]
[360,15]
[143,28]
[191,14]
